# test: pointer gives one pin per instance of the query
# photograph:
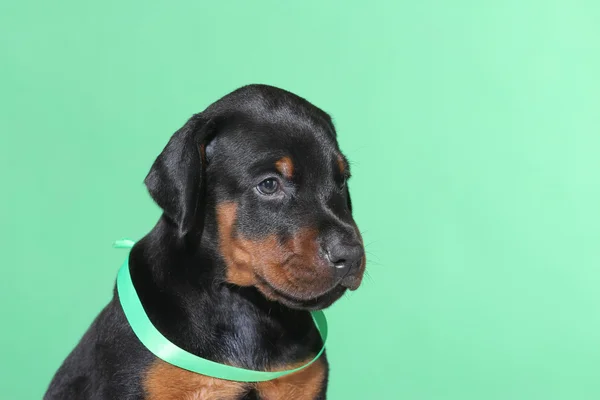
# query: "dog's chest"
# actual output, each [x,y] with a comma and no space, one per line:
[166,382]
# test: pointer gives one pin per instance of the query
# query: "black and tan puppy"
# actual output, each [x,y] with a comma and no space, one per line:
[256,231]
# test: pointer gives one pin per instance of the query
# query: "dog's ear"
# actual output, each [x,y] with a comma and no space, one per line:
[175,179]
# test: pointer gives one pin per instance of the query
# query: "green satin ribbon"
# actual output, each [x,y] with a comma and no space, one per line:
[162,348]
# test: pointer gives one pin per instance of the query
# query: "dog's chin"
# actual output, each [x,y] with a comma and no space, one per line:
[319,302]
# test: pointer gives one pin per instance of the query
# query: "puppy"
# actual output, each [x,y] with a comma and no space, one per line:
[256,231]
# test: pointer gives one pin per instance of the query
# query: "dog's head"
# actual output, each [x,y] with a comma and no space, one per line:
[260,175]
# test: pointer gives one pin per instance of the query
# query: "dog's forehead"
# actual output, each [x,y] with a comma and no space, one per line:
[306,146]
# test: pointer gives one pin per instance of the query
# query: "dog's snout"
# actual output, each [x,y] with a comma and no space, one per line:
[342,255]
[345,257]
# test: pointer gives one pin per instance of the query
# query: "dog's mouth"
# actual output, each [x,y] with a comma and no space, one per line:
[318,302]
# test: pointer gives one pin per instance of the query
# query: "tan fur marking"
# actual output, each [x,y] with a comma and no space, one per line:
[286,167]
[341,164]
[292,266]
[237,259]
[166,382]
[302,385]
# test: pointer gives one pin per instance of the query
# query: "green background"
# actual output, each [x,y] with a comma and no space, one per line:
[472,127]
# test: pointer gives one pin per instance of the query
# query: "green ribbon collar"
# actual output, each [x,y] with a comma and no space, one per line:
[162,348]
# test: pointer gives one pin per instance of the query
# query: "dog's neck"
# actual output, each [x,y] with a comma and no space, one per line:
[184,293]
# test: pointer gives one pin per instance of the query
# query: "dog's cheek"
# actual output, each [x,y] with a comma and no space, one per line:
[300,272]
[306,266]
[290,265]
[258,257]
[241,255]
[238,262]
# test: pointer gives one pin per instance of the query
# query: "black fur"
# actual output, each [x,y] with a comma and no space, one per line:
[178,270]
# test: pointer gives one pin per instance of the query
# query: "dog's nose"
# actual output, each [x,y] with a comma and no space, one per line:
[345,258]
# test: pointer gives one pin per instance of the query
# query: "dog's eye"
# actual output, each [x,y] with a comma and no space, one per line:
[268,186]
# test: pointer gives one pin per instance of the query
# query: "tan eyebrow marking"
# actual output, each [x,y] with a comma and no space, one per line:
[341,163]
[285,166]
